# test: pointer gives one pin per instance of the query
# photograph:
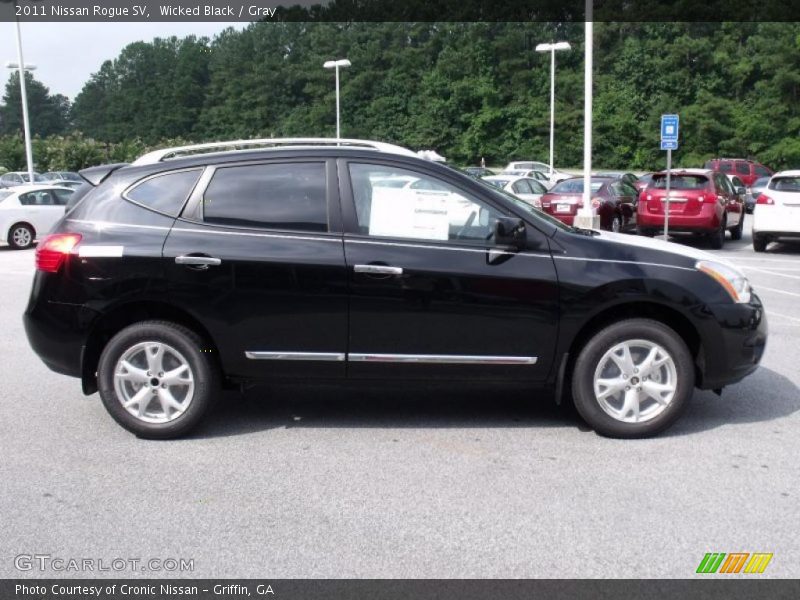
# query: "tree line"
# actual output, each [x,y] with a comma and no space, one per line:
[467,90]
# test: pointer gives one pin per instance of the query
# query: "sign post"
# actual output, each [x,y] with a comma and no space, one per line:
[669,142]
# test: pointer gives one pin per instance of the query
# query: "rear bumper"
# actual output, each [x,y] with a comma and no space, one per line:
[775,222]
[57,331]
[735,344]
[708,219]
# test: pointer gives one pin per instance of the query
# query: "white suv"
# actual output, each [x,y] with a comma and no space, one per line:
[777,210]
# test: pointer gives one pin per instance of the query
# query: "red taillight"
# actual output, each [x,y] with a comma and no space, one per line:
[764,199]
[54,249]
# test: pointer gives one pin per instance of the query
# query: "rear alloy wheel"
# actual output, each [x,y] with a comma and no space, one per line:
[633,379]
[155,381]
[20,236]
[736,232]
[760,243]
[717,238]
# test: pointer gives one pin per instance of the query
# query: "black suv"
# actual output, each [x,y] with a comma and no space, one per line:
[199,267]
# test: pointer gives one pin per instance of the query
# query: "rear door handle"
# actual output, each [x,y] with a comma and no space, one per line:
[378,270]
[198,261]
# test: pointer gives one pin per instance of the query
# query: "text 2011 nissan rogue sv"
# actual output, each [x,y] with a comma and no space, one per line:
[198,267]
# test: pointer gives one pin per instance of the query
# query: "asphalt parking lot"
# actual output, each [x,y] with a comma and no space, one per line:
[290,482]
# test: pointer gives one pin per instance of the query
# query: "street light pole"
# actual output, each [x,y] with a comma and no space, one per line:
[551,48]
[335,64]
[22,67]
[586,218]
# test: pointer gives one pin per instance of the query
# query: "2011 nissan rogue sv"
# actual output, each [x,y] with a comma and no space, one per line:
[203,266]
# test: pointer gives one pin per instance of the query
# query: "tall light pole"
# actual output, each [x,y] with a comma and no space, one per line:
[335,64]
[22,67]
[551,48]
[585,217]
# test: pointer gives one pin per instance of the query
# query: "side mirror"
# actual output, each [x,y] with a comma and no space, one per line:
[509,231]
[741,191]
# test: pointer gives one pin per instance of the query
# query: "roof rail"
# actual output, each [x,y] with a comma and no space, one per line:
[240,145]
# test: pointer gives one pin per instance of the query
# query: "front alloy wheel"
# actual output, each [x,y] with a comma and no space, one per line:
[633,378]
[635,381]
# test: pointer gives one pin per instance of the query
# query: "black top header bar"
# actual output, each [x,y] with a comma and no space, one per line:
[398,10]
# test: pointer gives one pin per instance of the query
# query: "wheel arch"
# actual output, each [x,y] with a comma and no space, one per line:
[638,309]
[123,315]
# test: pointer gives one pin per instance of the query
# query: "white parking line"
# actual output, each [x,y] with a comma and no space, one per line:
[768,272]
[794,320]
[769,289]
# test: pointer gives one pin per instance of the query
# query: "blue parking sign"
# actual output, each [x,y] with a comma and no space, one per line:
[669,130]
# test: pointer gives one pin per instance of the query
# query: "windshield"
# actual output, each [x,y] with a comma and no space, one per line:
[530,210]
[680,182]
[575,186]
[785,184]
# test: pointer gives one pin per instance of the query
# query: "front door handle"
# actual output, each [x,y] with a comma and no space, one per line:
[198,261]
[378,270]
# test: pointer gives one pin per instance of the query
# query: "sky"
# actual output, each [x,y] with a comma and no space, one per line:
[66,54]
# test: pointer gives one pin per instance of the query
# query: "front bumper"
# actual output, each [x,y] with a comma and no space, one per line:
[734,344]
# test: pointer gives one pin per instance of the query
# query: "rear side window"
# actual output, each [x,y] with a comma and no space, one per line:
[725,166]
[39,198]
[522,187]
[680,182]
[762,171]
[290,196]
[742,168]
[785,184]
[63,196]
[165,193]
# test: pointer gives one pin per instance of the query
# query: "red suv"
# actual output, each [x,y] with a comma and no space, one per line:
[701,201]
[746,170]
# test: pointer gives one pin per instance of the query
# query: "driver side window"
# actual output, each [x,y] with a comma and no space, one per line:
[400,203]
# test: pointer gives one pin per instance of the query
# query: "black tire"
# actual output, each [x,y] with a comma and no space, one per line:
[21,236]
[717,238]
[645,232]
[203,370]
[587,404]
[760,243]
[736,232]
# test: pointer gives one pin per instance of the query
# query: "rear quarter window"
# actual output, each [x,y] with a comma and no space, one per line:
[165,193]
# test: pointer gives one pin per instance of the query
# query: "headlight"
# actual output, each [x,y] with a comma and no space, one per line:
[734,282]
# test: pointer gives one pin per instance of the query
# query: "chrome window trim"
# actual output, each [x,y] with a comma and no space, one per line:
[316,356]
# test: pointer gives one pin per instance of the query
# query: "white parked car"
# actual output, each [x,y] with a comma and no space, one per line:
[16,178]
[535,165]
[539,176]
[524,188]
[28,212]
[777,210]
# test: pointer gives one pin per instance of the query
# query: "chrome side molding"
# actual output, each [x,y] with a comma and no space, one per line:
[443,359]
[318,356]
